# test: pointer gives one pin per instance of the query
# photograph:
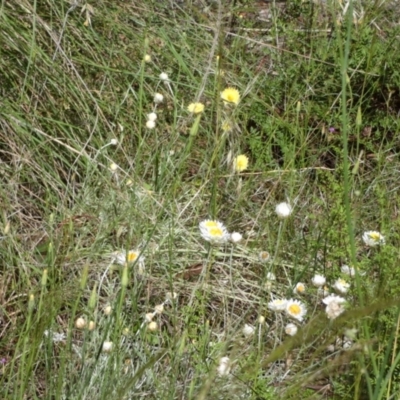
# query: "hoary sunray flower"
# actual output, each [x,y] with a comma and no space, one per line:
[373,238]
[264,256]
[277,304]
[291,329]
[248,330]
[213,231]
[334,306]
[147,58]
[240,163]
[230,95]
[300,288]
[55,336]
[196,108]
[224,366]
[123,258]
[318,280]
[283,210]
[341,286]
[296,309]
[271,276]
[226,126]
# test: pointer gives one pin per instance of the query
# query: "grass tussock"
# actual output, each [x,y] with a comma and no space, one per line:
[199,200]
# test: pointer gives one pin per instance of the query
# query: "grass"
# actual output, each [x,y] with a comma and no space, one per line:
[84,181]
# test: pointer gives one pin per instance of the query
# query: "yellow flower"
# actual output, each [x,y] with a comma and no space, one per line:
[230,95]
[240,163]
[196,108]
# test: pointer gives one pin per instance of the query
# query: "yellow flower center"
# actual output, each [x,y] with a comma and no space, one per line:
[216,232]
[294,309]
[374,236]
[132,256]
[300,288]
[211,224]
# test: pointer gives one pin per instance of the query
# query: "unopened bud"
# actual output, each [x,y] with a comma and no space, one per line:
[80,323]
[152,326]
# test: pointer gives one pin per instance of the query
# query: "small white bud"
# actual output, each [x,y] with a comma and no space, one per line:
[159,308]
[149,317]
[107,310]
[80,323]
[171,295]
[158,98]
[164,77]
[283,210]
[291,329]
[114,142]
[107,347]
[236,237]
[113,167]
[150,124]
[318,280]
[152,116]
[152,326]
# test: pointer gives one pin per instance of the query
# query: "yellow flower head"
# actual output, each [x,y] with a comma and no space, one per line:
[240,163]
[196,108]
[231,95]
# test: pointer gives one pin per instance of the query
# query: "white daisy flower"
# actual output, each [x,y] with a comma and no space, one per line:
[277,305]
[318,280]
[341,286]
[150,124]
[123,258]
[248,330]
[373,238]
[291,329]
[224,366]
[283,210]
[334,306]
[300,288]
[213,231]
[296,309]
